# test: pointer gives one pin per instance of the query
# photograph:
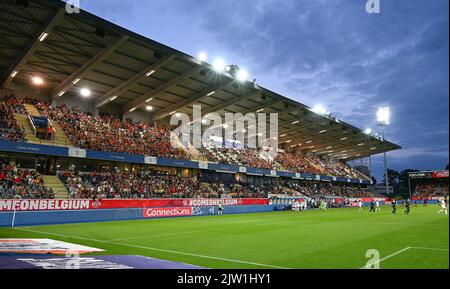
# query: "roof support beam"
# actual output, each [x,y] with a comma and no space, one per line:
[87,67]
[230,102]
[132,105]
[123,87]
[264,105]
[32,46]
[190,100]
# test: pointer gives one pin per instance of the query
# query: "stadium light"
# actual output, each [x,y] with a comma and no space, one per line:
[383,119]
[14,73]
[242,75]
[383,115]
[219,65]
[43,36]
[202,56]
[37,80]
[319,109]
[149,108]
[85,92]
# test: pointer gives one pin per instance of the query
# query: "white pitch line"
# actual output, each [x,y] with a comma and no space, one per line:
[406,249]
[159,250]
[388,257]
[427,248]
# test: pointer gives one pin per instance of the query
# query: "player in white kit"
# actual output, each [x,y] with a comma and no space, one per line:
[377,206]
[444,206]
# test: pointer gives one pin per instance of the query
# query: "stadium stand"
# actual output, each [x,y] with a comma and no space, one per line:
[133,85]
[107,133]
[22,183]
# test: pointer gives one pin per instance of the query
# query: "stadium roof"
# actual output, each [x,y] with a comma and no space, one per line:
[126,70]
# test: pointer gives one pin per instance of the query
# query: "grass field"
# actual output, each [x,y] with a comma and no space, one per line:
[336,238]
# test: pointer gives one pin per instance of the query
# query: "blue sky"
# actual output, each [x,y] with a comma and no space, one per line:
[323,51]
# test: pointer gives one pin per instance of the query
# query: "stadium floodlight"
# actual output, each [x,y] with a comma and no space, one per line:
[37,80]
[319,109]
[383,115]
[242,75]
[149,108]
[219,65]
[14,73]
[368,131]
[85,92]
[43,36]
[202,56]
[150,72]
[383,118]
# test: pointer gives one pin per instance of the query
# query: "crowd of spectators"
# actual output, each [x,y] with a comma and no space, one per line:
[10,130]
[296,162]
[311,189]
[22,184]
[238,156]
[108,133]
[132,185]
[438,189]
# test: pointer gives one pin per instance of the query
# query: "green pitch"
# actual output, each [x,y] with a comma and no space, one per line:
[336,238]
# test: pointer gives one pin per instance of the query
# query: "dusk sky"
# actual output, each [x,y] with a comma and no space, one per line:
[329,52]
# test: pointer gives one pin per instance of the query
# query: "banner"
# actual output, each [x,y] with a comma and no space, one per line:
[167,212]
[441,174]
[86,204]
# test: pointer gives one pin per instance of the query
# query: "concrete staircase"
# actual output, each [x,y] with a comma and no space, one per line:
[57,186]
[22,120]
[60,140]
[31,110]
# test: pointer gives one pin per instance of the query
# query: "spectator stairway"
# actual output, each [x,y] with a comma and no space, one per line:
[60,140]
[57,186]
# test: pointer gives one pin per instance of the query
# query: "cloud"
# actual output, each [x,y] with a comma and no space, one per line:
[329,52]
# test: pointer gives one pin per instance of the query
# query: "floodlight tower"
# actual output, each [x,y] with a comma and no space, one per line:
[383,119]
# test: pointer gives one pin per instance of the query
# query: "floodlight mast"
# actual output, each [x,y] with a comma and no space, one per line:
[383,118]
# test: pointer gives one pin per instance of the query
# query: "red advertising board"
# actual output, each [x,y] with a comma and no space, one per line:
[78,204]
[441,174]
